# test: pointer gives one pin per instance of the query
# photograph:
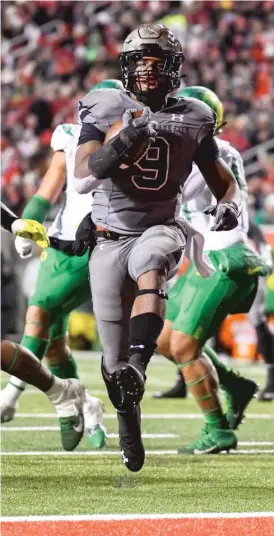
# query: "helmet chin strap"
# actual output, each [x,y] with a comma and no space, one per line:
[154,99]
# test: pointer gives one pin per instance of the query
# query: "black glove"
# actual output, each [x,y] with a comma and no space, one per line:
[85,236]
[226,216]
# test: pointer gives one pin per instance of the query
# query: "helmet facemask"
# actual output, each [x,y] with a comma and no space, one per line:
[140,80]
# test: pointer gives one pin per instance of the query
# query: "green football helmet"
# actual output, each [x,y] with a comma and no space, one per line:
[205,95]
[110,83]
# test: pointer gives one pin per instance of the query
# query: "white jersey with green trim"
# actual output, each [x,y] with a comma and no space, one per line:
[197,197]
[75,206]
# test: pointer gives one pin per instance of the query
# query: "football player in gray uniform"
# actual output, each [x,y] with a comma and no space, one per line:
[137,176]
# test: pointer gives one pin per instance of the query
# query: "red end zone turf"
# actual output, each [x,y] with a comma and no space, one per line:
[250,526]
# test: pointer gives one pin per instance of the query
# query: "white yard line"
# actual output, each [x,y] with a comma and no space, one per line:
[170,452]
[116,436]
[99,392]
[124,517]
[187,416]
[57,429]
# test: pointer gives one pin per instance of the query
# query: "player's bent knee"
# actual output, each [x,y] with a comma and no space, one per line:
[163,344]
[142,261]
[37,322]
[184,347]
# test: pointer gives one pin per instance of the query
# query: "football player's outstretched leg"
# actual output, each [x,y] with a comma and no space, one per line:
[67,396]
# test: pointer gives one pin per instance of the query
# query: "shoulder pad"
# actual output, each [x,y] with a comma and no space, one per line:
[197,110]
[62,136]
[103,107]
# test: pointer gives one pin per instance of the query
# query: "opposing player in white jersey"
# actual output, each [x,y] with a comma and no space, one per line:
[197,306]
[62,283]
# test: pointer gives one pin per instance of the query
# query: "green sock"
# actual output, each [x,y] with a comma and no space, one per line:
[35,345]
[227,376]
[215,419]
[65,370]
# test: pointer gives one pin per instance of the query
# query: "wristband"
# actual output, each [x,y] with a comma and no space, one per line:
[37,209]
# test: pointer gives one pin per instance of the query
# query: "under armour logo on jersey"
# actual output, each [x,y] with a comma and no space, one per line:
[176,117]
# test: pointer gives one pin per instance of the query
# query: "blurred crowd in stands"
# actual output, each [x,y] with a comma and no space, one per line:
[53,52]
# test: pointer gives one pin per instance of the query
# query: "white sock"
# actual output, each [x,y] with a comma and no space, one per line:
[12,391]
[18,383]
[56,391]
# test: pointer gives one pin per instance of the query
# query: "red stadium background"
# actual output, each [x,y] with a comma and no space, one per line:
[53,52]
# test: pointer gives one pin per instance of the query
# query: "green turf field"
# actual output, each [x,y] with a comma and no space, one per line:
[83,482]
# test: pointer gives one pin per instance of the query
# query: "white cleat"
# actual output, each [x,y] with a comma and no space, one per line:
[8,411]
[93,415]
[68,398]
[8,402]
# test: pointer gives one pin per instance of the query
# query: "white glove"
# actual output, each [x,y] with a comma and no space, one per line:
[23,246]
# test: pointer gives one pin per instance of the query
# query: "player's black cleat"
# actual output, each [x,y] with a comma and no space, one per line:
[131,384]
[237,400]
[130,439]
[178,391]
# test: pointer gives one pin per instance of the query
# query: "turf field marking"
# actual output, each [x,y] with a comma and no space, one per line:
[255,443]
[142,525]
[171,452]
[29,391]
[57,429]
[123,517]
[187,416]
[116,436]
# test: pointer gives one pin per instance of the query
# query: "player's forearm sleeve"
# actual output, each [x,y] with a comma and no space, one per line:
[106,160]
[7,217]
[103,162]
[37,209]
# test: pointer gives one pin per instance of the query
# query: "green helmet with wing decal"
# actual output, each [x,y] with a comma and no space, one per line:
[205,95]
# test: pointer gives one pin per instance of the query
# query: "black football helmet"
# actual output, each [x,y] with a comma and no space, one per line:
[151,40]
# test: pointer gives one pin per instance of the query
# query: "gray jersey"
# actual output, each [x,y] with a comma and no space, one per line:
[147,193]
